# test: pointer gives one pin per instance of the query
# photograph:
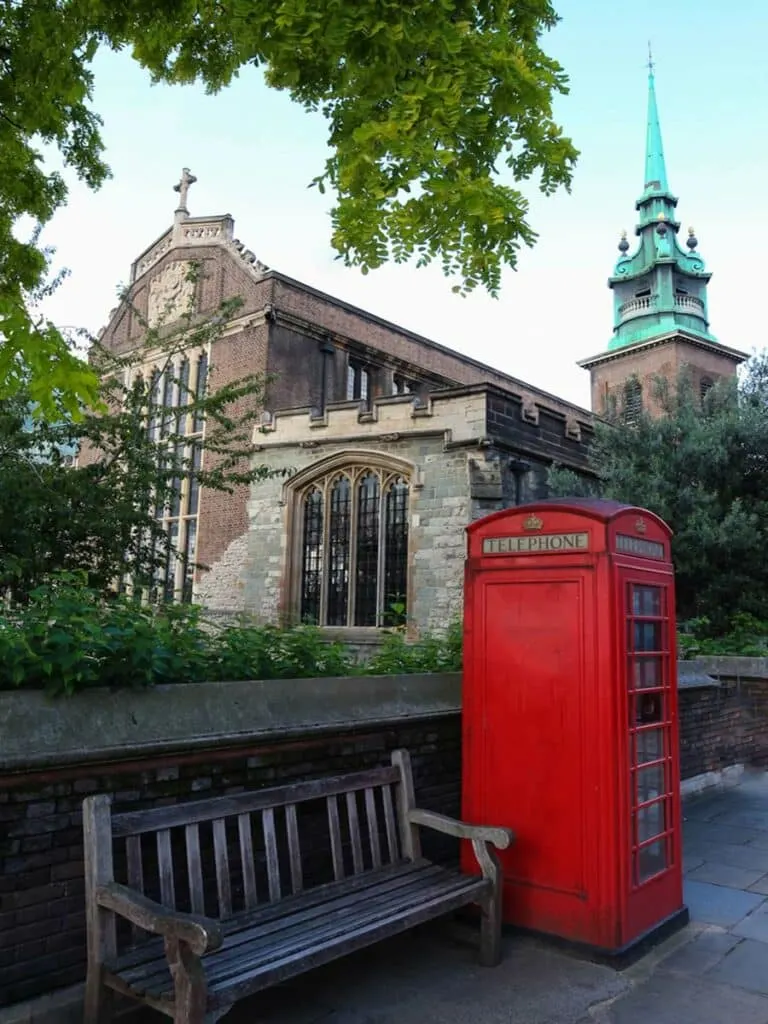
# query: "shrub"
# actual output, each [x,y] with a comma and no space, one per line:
[434,652]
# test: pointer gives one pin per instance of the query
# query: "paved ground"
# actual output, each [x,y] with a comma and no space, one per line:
[714,972]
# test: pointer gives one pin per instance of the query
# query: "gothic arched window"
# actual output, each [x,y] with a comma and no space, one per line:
[353,562]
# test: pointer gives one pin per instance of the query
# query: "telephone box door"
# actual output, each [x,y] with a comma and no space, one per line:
[538,677]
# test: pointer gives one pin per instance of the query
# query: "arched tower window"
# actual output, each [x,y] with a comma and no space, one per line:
[705,386]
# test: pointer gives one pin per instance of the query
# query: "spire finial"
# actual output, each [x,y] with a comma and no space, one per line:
[655,168]
[187,179]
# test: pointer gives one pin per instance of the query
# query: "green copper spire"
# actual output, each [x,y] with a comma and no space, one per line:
[655,168]
[660,288]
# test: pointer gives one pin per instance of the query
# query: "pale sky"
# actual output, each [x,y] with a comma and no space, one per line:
[254,152]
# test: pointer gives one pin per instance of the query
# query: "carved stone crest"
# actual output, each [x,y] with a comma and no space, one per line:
[170,294]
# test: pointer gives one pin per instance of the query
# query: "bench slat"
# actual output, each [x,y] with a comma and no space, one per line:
[389,821]
[354,832]
[150,820]
[334,826]
[165,868]
[273,863]
[246,858]
[135,875]
[270,916]
[294,849]
[194,869]
[349,939]
[261,944]
[221,857]
[373,827]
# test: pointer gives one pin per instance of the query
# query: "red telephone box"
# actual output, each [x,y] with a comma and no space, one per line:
[570,732]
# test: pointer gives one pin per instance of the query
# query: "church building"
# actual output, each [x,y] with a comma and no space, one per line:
[389,442]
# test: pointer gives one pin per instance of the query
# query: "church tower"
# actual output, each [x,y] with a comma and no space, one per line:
[661,323]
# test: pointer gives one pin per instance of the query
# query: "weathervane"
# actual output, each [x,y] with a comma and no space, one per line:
[187,179]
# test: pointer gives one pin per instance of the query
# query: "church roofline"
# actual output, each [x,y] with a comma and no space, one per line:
[678,335]
[428,343]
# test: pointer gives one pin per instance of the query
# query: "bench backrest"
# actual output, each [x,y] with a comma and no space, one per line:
[228,854]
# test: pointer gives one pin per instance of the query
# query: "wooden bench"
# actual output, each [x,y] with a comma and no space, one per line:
[215,853]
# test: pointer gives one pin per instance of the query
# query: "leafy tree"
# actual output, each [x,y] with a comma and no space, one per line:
[702,465]
[107,514]
[436,110]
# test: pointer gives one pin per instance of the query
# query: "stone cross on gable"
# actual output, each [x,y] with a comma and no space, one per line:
[187,179]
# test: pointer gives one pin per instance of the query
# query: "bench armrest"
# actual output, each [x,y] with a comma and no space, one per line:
[482,838]
[200,934]
[501,838]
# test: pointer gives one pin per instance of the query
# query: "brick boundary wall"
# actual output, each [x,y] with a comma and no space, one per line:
[42,918]
[259,737]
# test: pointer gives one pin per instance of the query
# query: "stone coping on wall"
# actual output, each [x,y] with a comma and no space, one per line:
[726,666]
[692,675]
[101,725]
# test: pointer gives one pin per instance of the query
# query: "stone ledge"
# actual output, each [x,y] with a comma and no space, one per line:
[37,731]
[726,666]
[691,675]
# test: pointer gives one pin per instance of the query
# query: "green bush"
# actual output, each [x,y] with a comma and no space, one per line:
[69,638]
[747,638]
[436,652]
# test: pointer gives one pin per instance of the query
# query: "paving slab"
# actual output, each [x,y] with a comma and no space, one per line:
[725,874]
[717,904]
[745,967]
[702,953]
[754,818]
[662,999]
[708,832]
[761,886]
[739,856]
[755,926]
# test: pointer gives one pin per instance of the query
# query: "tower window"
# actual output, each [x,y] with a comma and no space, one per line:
[633,400]
[643,293]
[705,386]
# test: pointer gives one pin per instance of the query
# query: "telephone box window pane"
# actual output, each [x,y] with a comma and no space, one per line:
[650,745]
[651,860]
[650,783]
[647,673]
[648,708]
[650,821]
[646,601]
[647,636]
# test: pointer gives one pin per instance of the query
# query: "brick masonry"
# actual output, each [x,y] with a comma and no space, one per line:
[42,919]
[723,725]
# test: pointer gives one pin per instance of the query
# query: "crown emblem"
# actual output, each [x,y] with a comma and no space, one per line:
[533,522]
[640,526]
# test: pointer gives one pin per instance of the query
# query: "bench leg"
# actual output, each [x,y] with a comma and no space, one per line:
[190,990]
[97,1008]
[490,929]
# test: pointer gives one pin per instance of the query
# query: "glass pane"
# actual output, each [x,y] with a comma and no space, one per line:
[351,382]
[312,557]
[646,600]
[650,783]
[650,821]
[200,392]
[647,636]
[647,673]
[396,555]
[649,745]
[189,557]
[181,419]
[367,568]
[648,708]
[651,860]
[338,552]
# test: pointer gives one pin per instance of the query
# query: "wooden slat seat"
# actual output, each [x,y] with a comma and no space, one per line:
[200,966]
